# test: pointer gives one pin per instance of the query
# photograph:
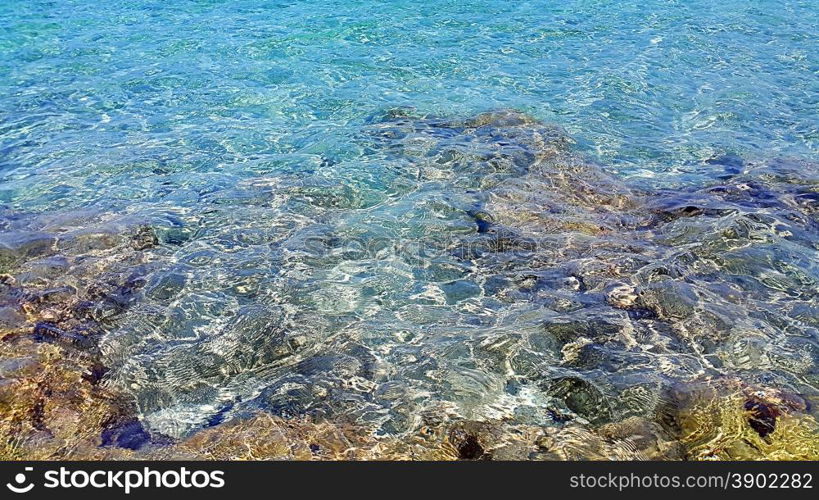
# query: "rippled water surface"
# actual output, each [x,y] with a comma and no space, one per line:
[574,229]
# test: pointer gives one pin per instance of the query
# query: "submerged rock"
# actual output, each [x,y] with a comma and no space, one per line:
[55,309]
[268,438]
[144,238]
[581,398]
[729,420]
[16,246]
[49,409]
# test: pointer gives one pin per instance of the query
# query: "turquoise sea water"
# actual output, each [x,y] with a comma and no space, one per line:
[233,88]
[266,143]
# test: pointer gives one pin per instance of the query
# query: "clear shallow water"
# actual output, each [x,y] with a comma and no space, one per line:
[93,96]
[321,253]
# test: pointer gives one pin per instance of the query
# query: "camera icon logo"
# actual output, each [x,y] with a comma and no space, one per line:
[20,479]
